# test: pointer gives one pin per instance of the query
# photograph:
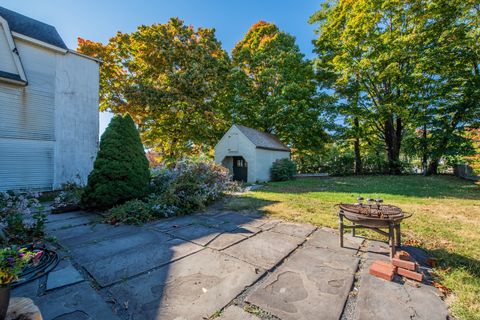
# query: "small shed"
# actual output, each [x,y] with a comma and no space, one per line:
[249,153]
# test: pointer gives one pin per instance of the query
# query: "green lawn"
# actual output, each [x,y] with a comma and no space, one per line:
[446,219]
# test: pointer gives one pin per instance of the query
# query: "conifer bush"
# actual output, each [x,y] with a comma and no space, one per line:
[283,170]
[120,171]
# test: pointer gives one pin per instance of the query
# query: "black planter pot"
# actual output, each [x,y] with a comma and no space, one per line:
[4,300]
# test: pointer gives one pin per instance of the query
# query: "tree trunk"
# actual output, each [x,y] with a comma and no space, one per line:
[393,140]
[424,155]
[356,145]
[433,167]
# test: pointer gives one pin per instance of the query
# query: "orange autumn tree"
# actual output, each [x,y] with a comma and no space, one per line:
[172,79]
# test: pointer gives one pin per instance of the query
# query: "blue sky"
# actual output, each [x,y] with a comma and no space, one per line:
[101,19]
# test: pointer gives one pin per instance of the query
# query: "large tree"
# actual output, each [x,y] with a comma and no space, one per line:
[450,70]
[171,78]
[415,62]
[274,89]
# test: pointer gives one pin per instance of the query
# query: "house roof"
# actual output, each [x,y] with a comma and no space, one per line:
[263,140]
[32,28]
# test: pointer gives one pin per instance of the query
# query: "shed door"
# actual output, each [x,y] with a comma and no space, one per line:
[240,169]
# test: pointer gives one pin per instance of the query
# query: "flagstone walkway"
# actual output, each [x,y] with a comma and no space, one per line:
[222,265]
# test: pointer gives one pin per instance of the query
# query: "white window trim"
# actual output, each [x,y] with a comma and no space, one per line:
[14,51]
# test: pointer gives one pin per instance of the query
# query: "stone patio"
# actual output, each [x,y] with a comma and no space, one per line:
[221,265]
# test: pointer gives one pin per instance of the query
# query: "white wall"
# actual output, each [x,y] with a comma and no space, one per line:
[265,159]
[246,149]
[259,160]
[76,118]
[27,130]
[49,128]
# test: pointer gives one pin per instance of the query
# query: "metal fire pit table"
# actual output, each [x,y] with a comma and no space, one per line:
[373,216]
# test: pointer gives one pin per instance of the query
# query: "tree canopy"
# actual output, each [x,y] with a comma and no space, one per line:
[171,78]
[411,63]
[274,87]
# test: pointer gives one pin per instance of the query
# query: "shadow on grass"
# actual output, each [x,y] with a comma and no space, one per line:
[410,185]
[452,260]
[247,203]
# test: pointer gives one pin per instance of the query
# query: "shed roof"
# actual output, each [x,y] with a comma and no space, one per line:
[263,140]
[32,28]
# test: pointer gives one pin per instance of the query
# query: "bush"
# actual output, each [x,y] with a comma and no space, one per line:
[131,212]
[283,169]
[21,217]
[161,180]
[68,198]
[190,186]
[120,172]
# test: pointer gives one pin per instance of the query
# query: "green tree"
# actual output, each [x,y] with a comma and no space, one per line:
[449,68]
[367,42]
[172,79]
[274,89]
[416,65]
[120,171]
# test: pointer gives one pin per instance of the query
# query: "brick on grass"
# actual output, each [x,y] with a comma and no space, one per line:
[410,274]
[409,265]
[403,255]
[382,270]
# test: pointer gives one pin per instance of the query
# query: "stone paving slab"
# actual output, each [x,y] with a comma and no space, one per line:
[173,223]
[246,230]
[329,239]
[237,218]
[79,301]
[312,284]
[118,245]
[236,313]
[87,234]
[294,229]
[225,240]
[134,261]
[63,277]
[191,288]
[404,300]
[67,215]
[68,223]
[196,233]
[269,224]
[265,249]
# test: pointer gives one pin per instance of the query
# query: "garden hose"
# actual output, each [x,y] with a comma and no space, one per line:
[48,261]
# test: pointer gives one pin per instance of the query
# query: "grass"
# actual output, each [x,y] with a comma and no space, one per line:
[445,221]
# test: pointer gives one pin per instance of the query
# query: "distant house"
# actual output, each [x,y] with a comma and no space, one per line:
[249,153]
[48,107]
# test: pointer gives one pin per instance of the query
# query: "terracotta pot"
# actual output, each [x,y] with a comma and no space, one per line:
[4,300]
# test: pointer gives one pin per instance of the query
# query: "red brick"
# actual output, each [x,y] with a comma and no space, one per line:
[403,255]
[410,274]
[383,270]
[409,265]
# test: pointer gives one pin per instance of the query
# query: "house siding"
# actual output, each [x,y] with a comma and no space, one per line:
[76,118]
[49,128]
[265,159]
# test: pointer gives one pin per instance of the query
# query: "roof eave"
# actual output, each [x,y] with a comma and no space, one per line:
[39,42]
[273,149]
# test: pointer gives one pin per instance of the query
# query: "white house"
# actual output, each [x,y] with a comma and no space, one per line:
[48,107]
[249,153]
